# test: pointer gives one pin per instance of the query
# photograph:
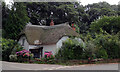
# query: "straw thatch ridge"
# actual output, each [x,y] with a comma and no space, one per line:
[47,34]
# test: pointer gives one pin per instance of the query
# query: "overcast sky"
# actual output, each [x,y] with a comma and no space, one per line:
[85,2]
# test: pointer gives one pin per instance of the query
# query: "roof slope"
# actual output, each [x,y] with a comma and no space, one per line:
[47,34]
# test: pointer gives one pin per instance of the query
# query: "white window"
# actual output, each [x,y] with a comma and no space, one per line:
[23,41]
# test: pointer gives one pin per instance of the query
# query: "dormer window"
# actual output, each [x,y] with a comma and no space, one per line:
[23,41]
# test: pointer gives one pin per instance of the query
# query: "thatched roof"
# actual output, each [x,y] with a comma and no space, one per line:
[47,34]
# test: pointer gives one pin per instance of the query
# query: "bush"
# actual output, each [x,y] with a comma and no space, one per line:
[24,55]
[108,43]
[13,58]
[102,45]
[13,55]
[48,54]
[71,49]
[90,50]
[49,58]
[9,47]
[102,53]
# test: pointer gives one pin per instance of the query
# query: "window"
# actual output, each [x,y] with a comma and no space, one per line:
[23,41]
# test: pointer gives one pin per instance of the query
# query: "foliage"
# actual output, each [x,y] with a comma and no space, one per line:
[90,50]
[8,48]
[109,24]
[101,45]
[13,55]
[45,61]
[71,49]
[13,58]
[48,57]
[48,54]
[102,53]
[42,13]
[108,43]
[118,35]
[14,20]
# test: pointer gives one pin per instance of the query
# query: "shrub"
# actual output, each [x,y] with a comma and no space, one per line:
[13,58]
[48,54]
[102,45]
[71,49]
[24,55]
[13,55]
[49,58]
[9,47]
[89,50]
[108,43]
[102,53]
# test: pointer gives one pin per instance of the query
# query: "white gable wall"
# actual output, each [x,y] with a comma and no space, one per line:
[59,43]
[26,45]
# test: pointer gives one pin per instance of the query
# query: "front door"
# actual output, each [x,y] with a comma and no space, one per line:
[37,52]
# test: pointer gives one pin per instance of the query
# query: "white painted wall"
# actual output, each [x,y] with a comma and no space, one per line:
[52,48]
[32,46]
[26,45]
[59,43]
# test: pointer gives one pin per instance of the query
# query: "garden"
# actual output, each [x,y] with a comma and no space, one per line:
[102,48]
[14,52]
[98,25]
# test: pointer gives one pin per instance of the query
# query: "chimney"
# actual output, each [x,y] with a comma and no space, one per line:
[73,27]
[51,23]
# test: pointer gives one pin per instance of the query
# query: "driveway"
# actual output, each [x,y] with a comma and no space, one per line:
[23,66]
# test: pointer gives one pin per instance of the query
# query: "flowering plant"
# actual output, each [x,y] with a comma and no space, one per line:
[24,54]
[48,54]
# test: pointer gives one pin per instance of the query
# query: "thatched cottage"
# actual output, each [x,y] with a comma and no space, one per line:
[39,39]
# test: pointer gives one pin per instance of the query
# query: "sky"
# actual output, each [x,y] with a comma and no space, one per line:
[8,1]
[85,2]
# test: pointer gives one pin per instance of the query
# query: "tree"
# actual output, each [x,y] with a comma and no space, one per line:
[109,24]
[14,20]
[107,12]
[42,13]
[95,11]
